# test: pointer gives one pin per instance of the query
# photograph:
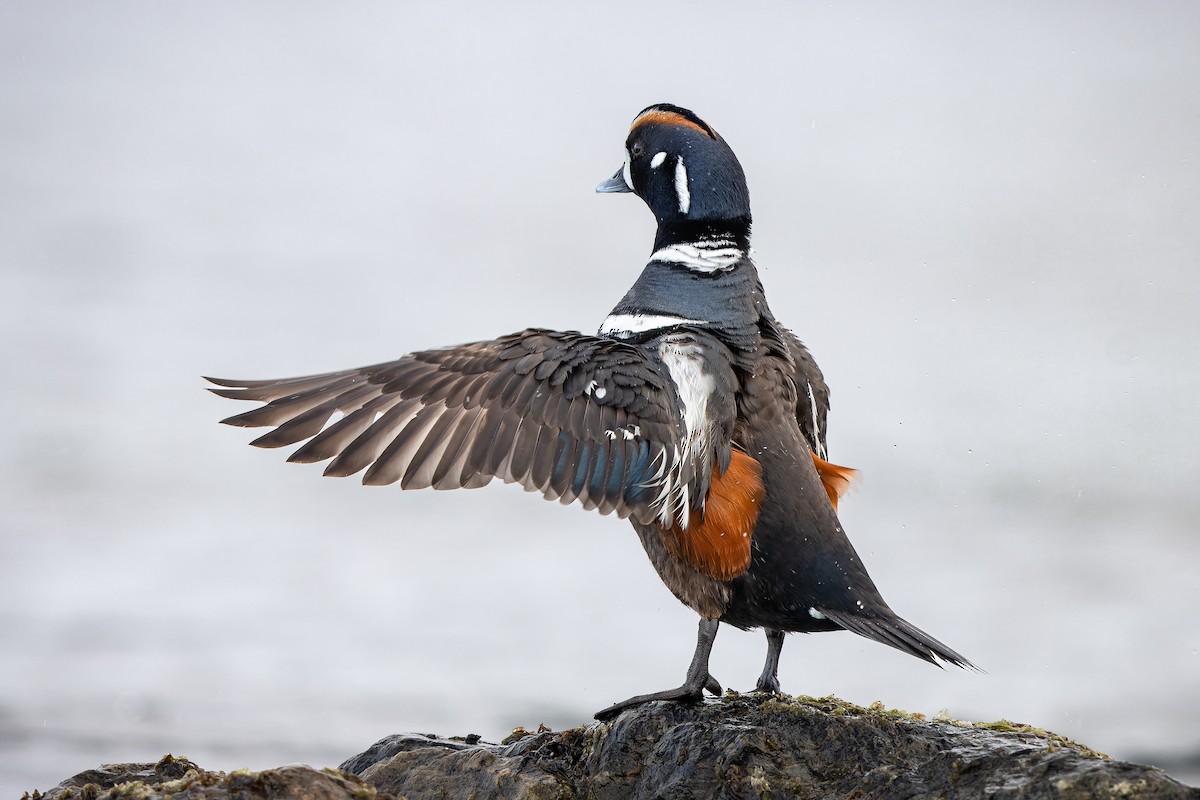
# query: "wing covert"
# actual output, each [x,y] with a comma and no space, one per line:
[812,406]
[812,413]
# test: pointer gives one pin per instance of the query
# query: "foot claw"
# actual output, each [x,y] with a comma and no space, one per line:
[683,694]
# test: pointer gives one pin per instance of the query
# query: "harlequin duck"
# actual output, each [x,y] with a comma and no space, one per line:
[692,412]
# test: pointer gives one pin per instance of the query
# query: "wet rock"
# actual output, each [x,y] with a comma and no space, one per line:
[93,782]
[736,747]
[180,779]
[766,747]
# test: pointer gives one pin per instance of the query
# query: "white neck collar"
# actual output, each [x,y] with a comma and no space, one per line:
[706,255]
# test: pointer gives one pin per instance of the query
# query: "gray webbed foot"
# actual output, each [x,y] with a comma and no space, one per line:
[769,680]
[688,693]
[697,681]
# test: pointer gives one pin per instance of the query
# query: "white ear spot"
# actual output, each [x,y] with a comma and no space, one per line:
[681,187]
[658,160]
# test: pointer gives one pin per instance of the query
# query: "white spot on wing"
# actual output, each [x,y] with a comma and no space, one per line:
[681,187]
[600,392]
[812,612]
[628,433]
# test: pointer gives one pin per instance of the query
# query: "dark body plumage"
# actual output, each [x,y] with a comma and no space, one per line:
[693,412]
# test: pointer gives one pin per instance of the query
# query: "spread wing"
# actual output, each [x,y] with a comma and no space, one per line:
[570,416]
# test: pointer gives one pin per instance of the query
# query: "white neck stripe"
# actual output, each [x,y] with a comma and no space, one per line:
[620,325]
[704,256]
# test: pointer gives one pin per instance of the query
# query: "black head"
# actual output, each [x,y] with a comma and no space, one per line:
[681,168]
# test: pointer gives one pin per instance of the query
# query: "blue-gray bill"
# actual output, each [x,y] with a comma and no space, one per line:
[614,184]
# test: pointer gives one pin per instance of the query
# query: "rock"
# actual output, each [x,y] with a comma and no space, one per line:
[180,779]
[735,747]
[764,747]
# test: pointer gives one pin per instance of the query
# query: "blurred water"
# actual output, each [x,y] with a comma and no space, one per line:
[983,221]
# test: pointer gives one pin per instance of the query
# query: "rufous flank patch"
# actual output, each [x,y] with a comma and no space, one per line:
[835,479]
[719,544]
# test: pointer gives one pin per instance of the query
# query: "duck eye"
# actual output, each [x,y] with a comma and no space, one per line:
[636,149]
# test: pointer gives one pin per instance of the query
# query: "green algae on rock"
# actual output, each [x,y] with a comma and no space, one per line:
[756,746]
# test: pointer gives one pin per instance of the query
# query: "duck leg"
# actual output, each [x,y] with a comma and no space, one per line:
[769,680]
[694,684]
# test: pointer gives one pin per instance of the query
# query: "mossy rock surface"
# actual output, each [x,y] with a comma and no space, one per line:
[735,747]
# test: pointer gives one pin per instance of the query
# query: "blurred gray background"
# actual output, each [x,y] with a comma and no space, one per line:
[984,220]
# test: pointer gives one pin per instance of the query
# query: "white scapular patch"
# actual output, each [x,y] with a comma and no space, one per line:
[658,160]
[681,187]
[706,255]
[684,360]
[622,325]
[812,401]
[812,612]
[671,490]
